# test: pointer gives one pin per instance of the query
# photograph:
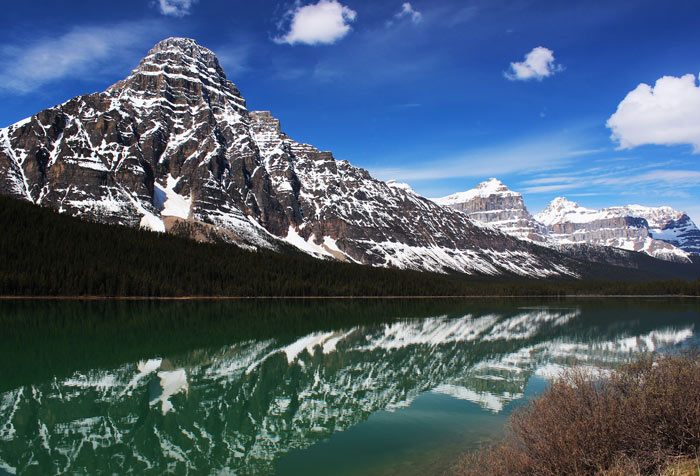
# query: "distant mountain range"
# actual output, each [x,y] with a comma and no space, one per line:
[661,232]
[173,148]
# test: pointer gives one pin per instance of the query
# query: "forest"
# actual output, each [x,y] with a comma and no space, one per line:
[44,253]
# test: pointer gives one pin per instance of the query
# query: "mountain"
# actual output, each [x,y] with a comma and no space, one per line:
[45,253]
[173,148]
[492,203]
[669,225]
[660,232]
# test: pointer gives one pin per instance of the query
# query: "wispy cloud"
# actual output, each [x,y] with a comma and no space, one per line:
[538,64]
[463,15]
[550,188]
[176,8]
[407,11]
[653,178]
[83,52]
[671,178]
[324,22]
[529,157]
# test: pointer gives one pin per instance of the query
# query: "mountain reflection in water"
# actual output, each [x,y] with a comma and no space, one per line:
[238,407]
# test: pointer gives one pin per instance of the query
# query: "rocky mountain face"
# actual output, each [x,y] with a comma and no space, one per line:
[492,203]
[660,232]
[170,140]
[666,224]
[173,148]
[633,228]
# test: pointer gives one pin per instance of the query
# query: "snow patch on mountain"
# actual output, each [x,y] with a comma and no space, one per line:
[485,189]
[169,202]
[400,186]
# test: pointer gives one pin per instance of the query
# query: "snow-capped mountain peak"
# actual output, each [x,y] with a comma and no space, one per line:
[562,209]
[654,231]
[492,203]
[658,231]
[485,189]
[173,148]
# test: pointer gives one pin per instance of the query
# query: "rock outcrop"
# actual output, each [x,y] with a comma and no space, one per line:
[492,203]
[621,227]
[661,232]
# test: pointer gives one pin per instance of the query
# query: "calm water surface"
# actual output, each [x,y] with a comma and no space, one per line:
[294,388]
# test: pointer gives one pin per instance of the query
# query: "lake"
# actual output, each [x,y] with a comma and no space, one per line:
[305,387]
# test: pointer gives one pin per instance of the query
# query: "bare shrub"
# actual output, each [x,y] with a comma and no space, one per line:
[632,421]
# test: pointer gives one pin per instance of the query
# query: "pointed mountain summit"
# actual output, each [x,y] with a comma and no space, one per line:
[173,148]
[492,203]
[562,209]
[491,187]
[174,130]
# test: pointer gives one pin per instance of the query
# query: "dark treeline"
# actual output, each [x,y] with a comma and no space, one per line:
[43,253]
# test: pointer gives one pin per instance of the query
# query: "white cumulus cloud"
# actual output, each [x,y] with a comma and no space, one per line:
[324,22]
[175,8]
[539,63]
[407,11]
[666,114]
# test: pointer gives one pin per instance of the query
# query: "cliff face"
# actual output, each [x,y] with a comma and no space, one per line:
[171,139]
[492,203]
[666,224]
[173,148]
[632,228]
[660,232]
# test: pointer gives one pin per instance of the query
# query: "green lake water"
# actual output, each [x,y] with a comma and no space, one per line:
[312,387]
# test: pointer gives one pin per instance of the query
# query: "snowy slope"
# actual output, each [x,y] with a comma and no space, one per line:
[380,223]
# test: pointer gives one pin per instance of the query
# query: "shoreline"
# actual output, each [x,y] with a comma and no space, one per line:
[238,298]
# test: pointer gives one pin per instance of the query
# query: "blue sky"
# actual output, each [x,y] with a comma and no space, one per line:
[596,101]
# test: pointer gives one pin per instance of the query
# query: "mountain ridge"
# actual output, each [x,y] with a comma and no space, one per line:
[174,147]
[661,232]
[650,229]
